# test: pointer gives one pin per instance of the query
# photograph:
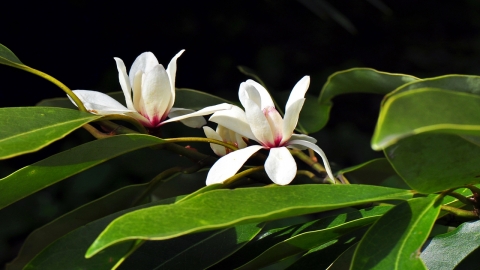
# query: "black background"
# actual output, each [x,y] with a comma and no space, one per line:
[75,41]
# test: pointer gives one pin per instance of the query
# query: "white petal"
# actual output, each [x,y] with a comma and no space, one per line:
[137,90]
[143,63]
[298,91]
[235,120]
[228,165]
[248,91]
[100,103]
[240,142]
[302,137]
[156,93]
[258,123]
[171,71]
[264,95]
[211,134]
[319,151]
[280,166]
[290,119]
[204,111]
[193,122]
[124,82]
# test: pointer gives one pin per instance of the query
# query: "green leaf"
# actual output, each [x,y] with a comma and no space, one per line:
[238,206]
[8,58]
[433,162]
[207,248]
[426,110]
[46,172]
[446,251]
[394,241]
[377,172]
[456,83]
[344,260]
[67,252]
[44,236]
[315,235]
[357,80]
[28,129]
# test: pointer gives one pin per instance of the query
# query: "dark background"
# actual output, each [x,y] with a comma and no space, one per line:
[75,41]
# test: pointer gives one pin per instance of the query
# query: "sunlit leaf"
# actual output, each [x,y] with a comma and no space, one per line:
[446,251]
[317,234]
[28,129]
[433,162]
[46,172]
[222,208]
[357,80]
[426,110]
[394,241]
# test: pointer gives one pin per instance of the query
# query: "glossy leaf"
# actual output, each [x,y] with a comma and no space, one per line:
[28,129]
[7,57]
[222,208]
[316,235]
[67,252]
[426,110]
[433,162]
[46,172]
[446,251]
[197,251]
[377,172]
[456,83]
[357,80]
[344,260]
[394,241]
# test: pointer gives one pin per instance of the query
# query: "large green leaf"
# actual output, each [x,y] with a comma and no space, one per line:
[46,172]
[223,208]
[67,252]
[426,110]
[457,83]
[193,251]
[317,233]
[446,251]
[28,129]
[8,58]
[357,80]
[394,241]
[433,162]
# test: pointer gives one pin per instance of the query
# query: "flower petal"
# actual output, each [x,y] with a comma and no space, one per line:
[266,99]
[258,123]
[319,151]
[156,94]
[228,165]
[290,119]
[144,63]
[248,91]
[301,137]
[204,111]
[171,71]
[124,82]
[211,134]
[100,103]
[280,166]
[298,91]
[193,122]
[137,91]
[235,120]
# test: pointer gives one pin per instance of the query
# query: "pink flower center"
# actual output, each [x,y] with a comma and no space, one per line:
[276,125]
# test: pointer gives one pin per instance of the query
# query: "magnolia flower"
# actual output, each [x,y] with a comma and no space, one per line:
[226,135]
[153,95]
[261,122]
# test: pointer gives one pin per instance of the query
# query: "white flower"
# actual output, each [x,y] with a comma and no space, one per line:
[225,135]
[153,95]
[262,122]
